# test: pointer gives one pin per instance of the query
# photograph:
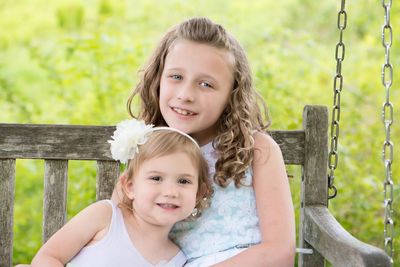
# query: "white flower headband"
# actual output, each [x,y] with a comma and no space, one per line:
[132,133]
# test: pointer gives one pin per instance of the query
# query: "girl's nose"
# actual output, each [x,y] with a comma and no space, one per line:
[170,190]
[186,93]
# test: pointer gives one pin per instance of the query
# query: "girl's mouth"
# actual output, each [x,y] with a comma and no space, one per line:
[167,206]
[183,112]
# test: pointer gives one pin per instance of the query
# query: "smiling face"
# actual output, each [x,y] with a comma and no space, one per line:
[164,189]
[195,87]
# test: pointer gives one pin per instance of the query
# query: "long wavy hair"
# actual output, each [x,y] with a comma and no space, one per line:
[245,112]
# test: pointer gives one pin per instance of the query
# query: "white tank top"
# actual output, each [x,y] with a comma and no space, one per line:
[117,249]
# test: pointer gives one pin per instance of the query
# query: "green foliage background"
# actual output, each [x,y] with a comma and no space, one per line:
[75,62]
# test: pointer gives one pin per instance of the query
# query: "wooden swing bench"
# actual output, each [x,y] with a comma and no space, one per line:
[56,144]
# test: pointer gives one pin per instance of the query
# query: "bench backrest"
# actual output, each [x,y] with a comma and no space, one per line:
[57,144]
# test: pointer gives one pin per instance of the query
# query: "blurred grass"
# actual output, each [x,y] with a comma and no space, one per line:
[75,62]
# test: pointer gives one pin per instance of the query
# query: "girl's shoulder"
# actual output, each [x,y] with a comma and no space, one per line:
[265,147]
[98,214]
[263,141]
[100,209]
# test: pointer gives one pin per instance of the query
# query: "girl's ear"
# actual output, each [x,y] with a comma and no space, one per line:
[127,185]
[201,193]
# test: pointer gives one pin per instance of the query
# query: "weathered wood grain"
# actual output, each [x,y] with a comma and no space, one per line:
[291,144]
[74,142]
[314,182]
[7,184]
[55,196]
[339,247]
[107,173]
[318,228]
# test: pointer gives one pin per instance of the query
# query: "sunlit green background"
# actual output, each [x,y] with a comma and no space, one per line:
[75,62]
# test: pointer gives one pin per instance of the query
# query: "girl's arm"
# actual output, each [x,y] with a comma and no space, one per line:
[90,224]
[274,208]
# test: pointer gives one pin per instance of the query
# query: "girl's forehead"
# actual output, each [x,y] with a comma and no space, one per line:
[178,159]
[203,52]
[200,58]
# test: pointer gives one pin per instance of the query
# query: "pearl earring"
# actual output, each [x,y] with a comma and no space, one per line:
[194,212]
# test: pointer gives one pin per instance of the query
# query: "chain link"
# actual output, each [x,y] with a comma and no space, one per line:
[387,119]
[337,89]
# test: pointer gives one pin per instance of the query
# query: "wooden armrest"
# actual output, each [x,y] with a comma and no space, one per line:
[335,244]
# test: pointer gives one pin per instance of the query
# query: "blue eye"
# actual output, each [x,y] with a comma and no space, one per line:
[206,84]
[176,77]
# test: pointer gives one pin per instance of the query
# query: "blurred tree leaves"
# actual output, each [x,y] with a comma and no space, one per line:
[75,62]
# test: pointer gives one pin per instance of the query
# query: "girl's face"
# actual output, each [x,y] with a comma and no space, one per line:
[164,189]
[195,87]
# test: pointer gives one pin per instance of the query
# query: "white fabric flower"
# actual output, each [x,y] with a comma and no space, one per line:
[127,137]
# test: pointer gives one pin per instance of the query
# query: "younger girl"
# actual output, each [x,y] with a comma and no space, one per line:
[165,182]
[198,80]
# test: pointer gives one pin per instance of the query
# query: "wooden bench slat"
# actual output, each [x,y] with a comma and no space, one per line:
[292,145]
[38,141]
[107,173]
[75,142]
[55,196]
[7,191]
[313,182]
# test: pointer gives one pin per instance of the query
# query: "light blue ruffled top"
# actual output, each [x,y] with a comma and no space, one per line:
[230,221]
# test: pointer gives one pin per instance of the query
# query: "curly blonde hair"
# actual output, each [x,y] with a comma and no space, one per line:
[245,109]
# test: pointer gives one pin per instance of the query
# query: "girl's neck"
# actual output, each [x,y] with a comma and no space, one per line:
[203,138]
[148,238]
[141,228]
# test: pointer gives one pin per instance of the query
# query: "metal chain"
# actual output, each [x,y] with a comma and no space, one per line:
[337,89]
[387,119]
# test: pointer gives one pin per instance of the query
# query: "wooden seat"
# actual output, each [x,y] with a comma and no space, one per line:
[56,144]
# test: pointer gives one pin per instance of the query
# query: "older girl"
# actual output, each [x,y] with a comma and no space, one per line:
[198,80]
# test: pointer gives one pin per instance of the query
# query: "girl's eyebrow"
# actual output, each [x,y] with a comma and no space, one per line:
[207,76]
[173,69]
[201,74]
[152,172]
[187,175]
[155,172]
